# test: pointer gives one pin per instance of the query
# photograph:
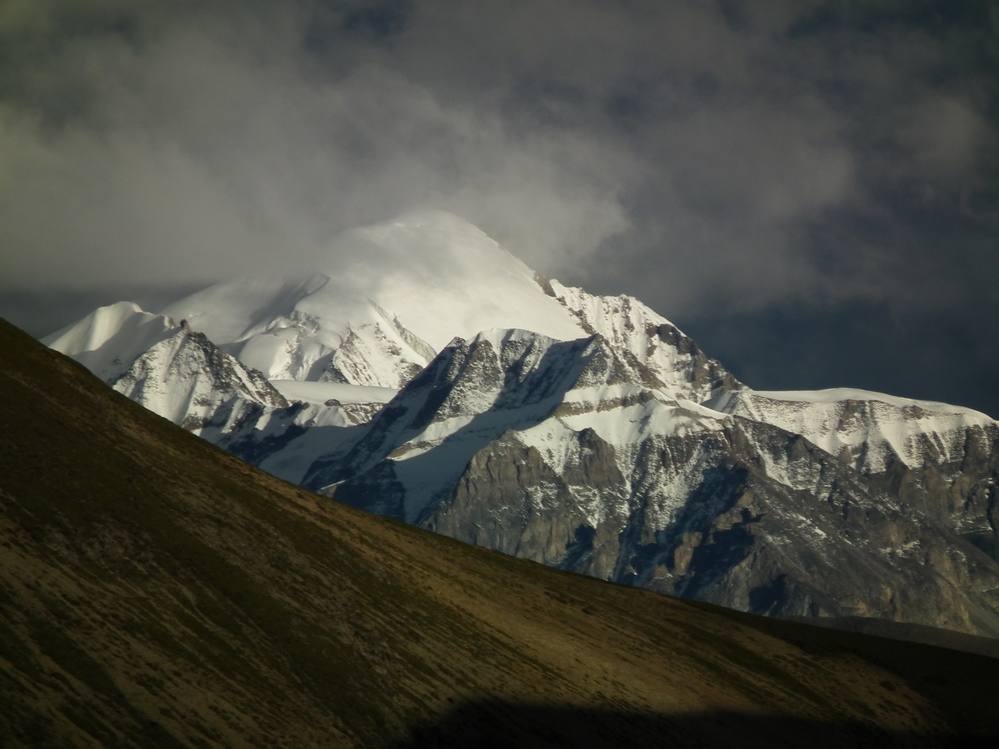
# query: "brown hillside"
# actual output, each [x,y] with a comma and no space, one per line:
[155,591]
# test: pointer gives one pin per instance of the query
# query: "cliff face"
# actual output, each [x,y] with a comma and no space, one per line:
[941,461]
[575,456]
[706,519]
[961,490]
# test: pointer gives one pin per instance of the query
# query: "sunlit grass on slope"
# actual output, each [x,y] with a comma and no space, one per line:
[155,591]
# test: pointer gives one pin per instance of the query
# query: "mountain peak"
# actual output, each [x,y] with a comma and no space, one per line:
[433,218]
[405,286]
[108,339]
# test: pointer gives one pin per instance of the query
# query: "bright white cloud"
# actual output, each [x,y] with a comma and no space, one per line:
[709,152]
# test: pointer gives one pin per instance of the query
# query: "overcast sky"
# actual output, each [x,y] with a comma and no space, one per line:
[810,189]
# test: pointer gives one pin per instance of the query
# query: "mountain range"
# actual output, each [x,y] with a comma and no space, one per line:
[425,374]
[156,591]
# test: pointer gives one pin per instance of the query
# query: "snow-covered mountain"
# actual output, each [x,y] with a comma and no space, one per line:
[425,373]
[501,382]
[569,454]
[166,367]
[384,300]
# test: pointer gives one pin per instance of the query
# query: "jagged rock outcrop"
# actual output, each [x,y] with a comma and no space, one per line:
[189,380]
[570,455]
[940,460]
[648,339]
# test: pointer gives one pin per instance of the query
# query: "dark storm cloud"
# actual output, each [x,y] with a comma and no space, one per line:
[194,146]
[795,160]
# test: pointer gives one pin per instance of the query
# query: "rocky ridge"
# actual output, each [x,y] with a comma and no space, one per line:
[572,456]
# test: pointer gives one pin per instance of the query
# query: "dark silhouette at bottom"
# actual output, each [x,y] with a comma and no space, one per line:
[501,725]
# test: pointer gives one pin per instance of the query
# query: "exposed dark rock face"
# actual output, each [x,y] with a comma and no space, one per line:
[939,461]
[961,491]
[498,443]
[830,544]
[510,500]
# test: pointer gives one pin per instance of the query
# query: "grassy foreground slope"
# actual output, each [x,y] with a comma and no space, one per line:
[155,591]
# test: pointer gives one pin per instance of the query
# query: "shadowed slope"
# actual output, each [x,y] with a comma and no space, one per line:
[155,591]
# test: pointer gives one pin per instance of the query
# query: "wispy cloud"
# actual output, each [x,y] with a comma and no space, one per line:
[712,157]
